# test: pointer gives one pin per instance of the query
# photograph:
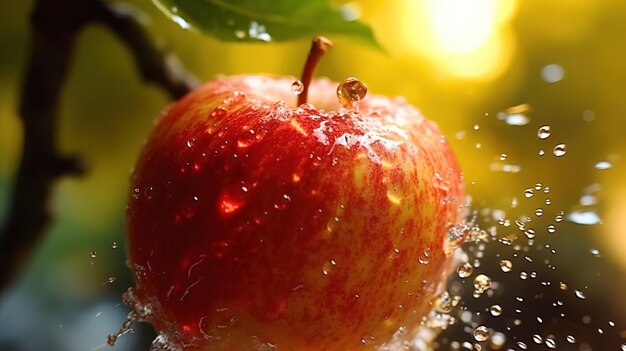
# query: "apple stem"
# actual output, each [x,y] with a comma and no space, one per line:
[319,46]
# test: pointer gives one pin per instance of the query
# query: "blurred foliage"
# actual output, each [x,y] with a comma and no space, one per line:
[461,61]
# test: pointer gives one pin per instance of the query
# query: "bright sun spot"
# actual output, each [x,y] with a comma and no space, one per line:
[464,38]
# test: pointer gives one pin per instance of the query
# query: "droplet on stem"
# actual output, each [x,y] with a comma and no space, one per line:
[297,87]
[350,92]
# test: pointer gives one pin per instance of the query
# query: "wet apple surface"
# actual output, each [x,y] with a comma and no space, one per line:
[256,224]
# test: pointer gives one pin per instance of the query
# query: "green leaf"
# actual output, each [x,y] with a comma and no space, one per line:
[264,20]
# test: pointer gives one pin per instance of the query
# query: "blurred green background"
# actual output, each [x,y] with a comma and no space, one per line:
[462,62]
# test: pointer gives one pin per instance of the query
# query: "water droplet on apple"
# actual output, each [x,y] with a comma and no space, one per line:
[114,245]
[93,254]
[543,132]
[350,92]
[282,203]
[551,228]
[328,267]
[297,87]
[502,157]
[424,257]
[219,112]
[542,152]
[481,333]
[191,142]
[537,339]
[528,193]
[559,150]
[135,193]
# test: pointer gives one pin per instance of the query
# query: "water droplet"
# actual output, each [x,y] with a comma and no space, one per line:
[328,267]
[542,152]
[530,233]
[502,157]
[481,333]
[579,294]
[482,283]
[444,302]
[240,34]
[465,270]
[218,112]
[297,87]
[522,345]
[584,217]
[537,339]
[543,132]
[424,257]
[495,310]
[93,254]
[135,193]
[559,217]
[283,202]
[350,92]
[191,142]
[571,339]
[623,347]
[114,245]
[528,193]
[560,150]
[506,266]
[596,252]
[551,228]
[476,127]
[539,212]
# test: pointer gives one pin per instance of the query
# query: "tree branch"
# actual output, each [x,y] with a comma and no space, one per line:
[56,24]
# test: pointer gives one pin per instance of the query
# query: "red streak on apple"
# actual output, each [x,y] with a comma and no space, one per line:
[260,225]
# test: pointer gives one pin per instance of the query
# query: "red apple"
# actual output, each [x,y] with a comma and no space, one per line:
[256,224]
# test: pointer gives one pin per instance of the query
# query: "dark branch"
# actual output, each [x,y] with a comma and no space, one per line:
[156,64]
[56,24]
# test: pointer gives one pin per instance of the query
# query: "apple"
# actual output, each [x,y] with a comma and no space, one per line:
[256,222]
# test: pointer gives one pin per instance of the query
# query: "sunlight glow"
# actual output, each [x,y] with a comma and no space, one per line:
[462,38]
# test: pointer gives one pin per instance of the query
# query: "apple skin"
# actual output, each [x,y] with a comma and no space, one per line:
[254,225]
